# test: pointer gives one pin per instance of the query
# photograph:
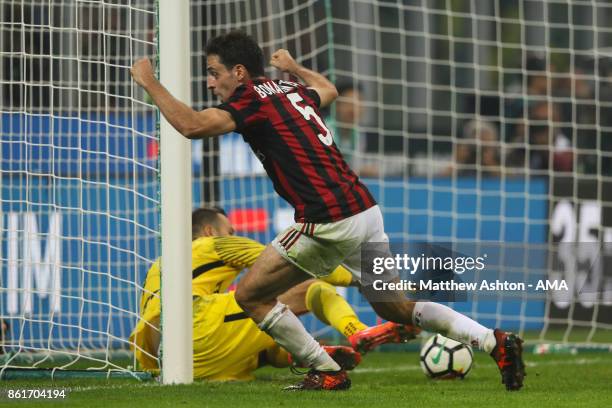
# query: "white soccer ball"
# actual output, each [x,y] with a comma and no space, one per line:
[442,357]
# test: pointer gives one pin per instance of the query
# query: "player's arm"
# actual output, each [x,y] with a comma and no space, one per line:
[188,122]
[145,337]
[239,252]
[328,93]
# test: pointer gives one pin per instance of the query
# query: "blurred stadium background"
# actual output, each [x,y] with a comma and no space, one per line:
[472,121]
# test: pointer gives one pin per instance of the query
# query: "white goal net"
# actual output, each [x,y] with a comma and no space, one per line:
[482,122]
[79,216]
[479,123]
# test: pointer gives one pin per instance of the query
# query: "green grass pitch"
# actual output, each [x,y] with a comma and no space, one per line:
[384,379]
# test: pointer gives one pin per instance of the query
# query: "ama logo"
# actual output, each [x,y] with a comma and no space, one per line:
[31,261]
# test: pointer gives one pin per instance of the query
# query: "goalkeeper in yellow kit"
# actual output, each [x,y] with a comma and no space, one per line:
[227,344]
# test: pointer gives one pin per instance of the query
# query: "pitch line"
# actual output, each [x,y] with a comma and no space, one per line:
[417,367]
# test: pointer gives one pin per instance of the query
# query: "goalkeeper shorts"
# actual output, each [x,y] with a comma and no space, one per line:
[226,343]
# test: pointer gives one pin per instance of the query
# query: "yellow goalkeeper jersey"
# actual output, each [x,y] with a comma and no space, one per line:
[216,262]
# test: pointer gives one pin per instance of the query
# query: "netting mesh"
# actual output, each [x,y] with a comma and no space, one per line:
[79,176]
[481,122]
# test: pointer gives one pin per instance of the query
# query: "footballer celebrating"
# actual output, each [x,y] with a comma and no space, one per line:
[334,212]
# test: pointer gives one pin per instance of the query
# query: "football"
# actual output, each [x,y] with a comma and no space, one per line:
[445,358]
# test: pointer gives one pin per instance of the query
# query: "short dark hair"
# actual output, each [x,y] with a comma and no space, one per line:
[237,47]
[202,217]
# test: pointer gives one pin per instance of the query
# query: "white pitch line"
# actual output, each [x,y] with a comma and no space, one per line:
[416,367]
[386,369]
[113,387]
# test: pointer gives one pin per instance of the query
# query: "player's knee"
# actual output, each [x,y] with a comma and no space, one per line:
[243,298]
[314,292]
[249,300]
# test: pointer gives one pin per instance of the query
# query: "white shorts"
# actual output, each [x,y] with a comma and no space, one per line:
[318,249]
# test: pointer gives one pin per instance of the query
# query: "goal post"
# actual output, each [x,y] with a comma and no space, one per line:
[175,199]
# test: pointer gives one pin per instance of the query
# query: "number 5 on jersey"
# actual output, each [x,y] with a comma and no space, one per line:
[308,113]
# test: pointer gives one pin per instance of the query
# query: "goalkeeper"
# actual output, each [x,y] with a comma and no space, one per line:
[227,344]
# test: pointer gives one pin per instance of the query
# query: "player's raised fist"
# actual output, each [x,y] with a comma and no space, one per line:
[142,71]
[282,60]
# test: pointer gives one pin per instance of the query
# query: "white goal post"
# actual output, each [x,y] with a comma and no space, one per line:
[175,170]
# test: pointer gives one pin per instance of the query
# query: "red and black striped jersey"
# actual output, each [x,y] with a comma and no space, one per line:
[281,122]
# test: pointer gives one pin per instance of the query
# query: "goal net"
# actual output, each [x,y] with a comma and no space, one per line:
[79,216]
[483,123]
